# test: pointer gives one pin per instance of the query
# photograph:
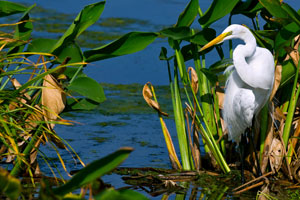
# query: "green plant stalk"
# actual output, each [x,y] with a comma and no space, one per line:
[19,163]
[208,136]
[210,141]
[180,63]
[263,129]
[180,125]
[76,73]
[206,98]
[291,110]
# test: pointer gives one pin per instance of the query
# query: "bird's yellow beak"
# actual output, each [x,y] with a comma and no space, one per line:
[218,39]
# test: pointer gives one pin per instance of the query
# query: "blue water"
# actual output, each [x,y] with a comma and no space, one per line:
[98,133]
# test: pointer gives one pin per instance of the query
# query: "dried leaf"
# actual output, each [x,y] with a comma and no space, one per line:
[277,80]
[295,168]
[276,155]
[194,79]
[265,193]
[267,146]
[147,94]
[220,94]
[53,99]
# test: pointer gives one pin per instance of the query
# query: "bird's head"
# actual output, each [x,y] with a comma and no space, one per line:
[231,32]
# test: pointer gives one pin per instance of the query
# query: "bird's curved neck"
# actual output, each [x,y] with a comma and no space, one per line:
[249,48]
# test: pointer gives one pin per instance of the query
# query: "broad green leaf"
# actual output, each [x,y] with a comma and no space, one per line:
[248,8]
[41,45]
[71,71]
[285,37]
[291,12]
[204,36]
[288,73]
[127,44]
[9,8]
[124,194]
[217,10]
[187,17]
[93,171]
[81,104]
[274,8]
[88,87]
[220,65]
[88,16]
[177,33]
[23,31]
[9,185]
[73,51]
[209,75]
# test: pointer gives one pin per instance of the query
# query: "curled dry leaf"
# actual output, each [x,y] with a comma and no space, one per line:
[277,80]
[194,79]
[53,99]
[276,155]
[147,94]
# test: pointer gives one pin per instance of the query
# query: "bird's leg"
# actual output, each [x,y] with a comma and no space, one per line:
[255,154]
[242,152]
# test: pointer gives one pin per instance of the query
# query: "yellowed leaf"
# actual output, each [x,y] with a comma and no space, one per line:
[53,99]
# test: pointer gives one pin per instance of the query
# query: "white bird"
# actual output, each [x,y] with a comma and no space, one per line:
[249,86]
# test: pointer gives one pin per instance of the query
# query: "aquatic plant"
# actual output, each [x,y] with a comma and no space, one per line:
[276,26]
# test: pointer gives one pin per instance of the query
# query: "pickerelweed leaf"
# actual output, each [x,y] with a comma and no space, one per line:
[177,33]
[203,36]
[88,16]
[9,8]
[187,17]
[88,87]
[93,171]
[127,44]
[41,45]
[217,10]
[22,31]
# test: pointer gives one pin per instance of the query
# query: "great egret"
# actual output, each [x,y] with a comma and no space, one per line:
[249,86]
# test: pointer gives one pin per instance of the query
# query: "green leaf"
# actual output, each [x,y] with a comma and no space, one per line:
[120,194]
[285,37]
[81,104]
[187,17]
[209,75]
[204,36]
[288,72]
[73,51]
[88,16]
[274,8]
[127,44]
[177,33]
[23,31]
[291,12]
[93,171]
[217,10]
[41,45]
[8,8]
[88,87]
[220,66]
[71,71]
[248,8]
[9,185]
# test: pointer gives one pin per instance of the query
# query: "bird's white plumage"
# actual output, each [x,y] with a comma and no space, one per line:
[249,85]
